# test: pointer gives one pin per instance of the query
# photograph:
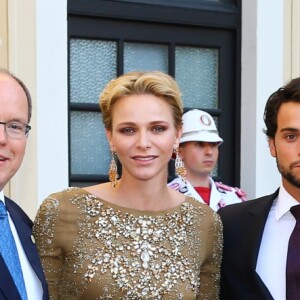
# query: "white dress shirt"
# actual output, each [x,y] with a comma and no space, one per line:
[271,263]
[32,283]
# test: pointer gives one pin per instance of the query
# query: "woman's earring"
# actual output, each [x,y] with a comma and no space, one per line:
[179,165]
[113,171]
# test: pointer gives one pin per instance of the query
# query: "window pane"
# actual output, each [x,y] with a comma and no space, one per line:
[180,3]
[196,71]
[89,146]
[92,65]
[145,57]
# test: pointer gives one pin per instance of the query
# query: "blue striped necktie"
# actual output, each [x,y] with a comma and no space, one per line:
[9,252]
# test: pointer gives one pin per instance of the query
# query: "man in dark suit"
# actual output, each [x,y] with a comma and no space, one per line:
[257,232]
[15,114]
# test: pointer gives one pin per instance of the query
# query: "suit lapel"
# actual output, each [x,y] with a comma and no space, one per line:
[255,222]
[7,285]
[259,213]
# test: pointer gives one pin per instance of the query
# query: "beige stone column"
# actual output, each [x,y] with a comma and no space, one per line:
[292,39]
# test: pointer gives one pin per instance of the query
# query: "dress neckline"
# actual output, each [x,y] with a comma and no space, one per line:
[137,211]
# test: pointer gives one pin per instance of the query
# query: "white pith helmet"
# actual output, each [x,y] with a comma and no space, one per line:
[199,126]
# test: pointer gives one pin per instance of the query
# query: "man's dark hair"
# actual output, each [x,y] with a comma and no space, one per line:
[25,89]
[288,93]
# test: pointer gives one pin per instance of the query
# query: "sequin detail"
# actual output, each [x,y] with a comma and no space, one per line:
[137,249]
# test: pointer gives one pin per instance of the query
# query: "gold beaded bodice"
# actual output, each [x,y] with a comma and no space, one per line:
[92,249]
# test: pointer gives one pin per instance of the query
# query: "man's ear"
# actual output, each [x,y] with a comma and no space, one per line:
[180,151]
[272,147]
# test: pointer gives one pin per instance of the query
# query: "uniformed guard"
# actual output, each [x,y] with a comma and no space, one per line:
[199,150]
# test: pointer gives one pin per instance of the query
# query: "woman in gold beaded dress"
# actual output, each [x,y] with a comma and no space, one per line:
[132,238]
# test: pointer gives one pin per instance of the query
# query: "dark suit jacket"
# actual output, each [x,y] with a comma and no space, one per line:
[23,224]
[243,226]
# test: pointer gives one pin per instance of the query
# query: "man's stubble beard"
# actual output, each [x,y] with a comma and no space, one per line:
[288,174]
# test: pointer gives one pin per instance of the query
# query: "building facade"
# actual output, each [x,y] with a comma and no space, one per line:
[36,42]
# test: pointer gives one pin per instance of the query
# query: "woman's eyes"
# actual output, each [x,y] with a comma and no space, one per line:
[127,130]
[159,128]
[155,129]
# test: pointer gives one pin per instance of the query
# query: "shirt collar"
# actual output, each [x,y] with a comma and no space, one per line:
[2,196]
[284,203]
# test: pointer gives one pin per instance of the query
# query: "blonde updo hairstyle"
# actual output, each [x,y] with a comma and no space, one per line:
[154,83]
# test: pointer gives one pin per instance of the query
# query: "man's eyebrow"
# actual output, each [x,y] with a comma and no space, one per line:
[290,129]
[15,120]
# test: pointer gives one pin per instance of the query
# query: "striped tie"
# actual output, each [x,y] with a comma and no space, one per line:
[9,252]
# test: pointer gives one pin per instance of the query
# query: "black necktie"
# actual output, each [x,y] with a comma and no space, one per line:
[293,259]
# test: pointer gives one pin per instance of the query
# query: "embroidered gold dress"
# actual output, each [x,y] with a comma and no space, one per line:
[93,249]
